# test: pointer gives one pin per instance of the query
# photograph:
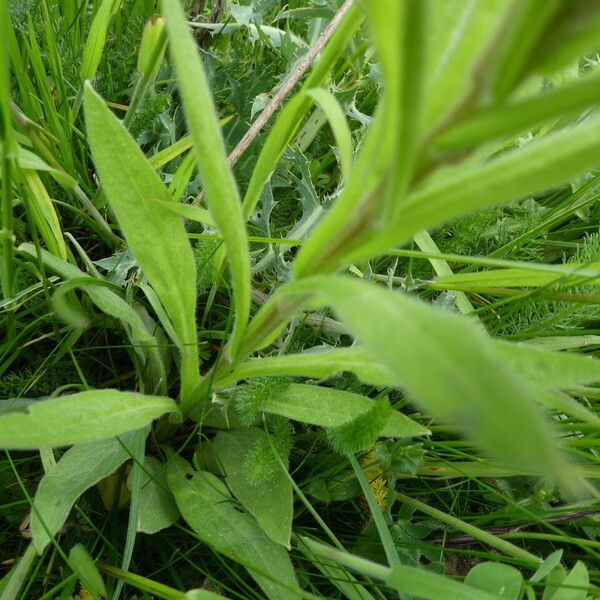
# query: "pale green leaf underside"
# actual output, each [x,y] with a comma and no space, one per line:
[81,417]
[208,508]
[78,469]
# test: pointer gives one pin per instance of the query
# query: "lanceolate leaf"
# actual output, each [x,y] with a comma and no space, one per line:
[81,417]
[538,166]
[97,38]
[78,469]
[449,366]
[269,501]
[155,235]
[207,506]
[329,407]
[219,185]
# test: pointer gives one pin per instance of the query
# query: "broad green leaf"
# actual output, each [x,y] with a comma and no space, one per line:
[328,407]
[339,126]
[219,185]
[399,30]
[208,508]
[431,586]
[80,417]
[521,115]
[497,578]
[574,586]
[96,39]
[270,502]
[156,236]
[85,568]
[447,364]
[525,26]
[158,509]
[77,470]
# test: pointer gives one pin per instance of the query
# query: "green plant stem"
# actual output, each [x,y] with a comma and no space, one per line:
[8,287]
[141,583]
[356,563]
[475,532]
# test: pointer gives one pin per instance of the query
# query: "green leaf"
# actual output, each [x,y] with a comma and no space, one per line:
[81,417]
[362,432]
[85,568]
[207,506]
[157,509]
[497,578]
[96,39]
[219,185]
[458,32]
[539,275]
[521,115]
[574,586]
[270,502]
[552,561]
[78,469]
[316,363]
[156,236]
[106,300]
[447,364]
[328,407]
[538,166]
[339,126]
[431,586]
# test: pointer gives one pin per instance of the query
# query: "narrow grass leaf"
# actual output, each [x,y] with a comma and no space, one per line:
[219,185]
[565,275]
[208,508]
[156,236]
[339,126]
[328,407]
[80,417]
[106,300]
[78,469]
[270,502]
[96,40]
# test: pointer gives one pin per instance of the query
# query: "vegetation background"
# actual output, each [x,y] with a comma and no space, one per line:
[355,360]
